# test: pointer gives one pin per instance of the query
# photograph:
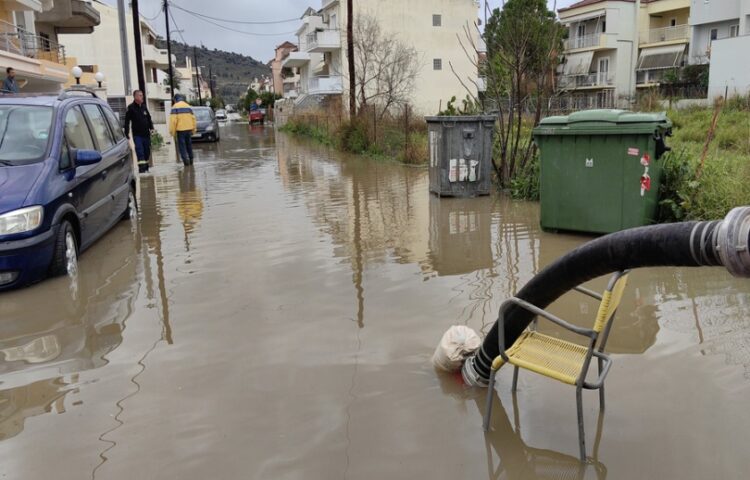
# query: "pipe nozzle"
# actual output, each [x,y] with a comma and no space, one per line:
[733,242]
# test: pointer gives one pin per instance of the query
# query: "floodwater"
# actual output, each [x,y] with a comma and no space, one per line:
[273,314]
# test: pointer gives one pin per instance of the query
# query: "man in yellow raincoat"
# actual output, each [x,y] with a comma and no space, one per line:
[182,126]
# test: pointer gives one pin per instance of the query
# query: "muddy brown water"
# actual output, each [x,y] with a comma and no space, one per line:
[273,314]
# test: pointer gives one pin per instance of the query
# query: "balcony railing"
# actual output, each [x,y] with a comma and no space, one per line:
[667,34]
[21,42]
[590,80]
[585,41]
[326,84]
[325,40]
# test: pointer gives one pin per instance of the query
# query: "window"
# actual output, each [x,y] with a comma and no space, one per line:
[65,162]
[114,124]
[604,26]
[673,22]
[734,31]
[437,64]
[76,130]
[581,31]
[24,132]
[99,125]
[333,23]
[437,20]
[714,33]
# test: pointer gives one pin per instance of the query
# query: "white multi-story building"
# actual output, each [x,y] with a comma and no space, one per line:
[664,35]
[721,36]
[600,51]
[431,27]
[716,20]
[29,39]
[100,52]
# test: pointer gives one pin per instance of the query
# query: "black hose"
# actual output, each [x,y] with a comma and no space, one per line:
[688,244]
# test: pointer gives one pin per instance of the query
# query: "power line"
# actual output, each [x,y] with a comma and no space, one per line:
[151,19]
[177,29]
[234,29]
[225,20]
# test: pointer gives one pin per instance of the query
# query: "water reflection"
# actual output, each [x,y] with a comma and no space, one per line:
[44,345]
[189,204]
[508,455]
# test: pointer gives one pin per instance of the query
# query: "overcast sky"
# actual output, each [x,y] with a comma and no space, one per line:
[260,47]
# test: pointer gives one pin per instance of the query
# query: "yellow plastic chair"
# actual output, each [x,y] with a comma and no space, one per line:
[559,359]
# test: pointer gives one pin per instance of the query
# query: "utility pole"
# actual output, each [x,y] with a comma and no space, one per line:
[210,81]
[350,55]
[138,51]
[125,57]
[197,77]
[169,51]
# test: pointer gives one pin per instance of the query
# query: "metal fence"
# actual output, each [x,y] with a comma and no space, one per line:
[16,40]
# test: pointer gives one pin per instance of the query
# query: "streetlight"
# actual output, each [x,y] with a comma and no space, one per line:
[77,73]
[99,77]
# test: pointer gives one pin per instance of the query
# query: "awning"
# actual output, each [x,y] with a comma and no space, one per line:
[578,63]
[661,57]
[584,16]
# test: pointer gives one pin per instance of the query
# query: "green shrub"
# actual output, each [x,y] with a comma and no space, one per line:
[353,137]
[156,139]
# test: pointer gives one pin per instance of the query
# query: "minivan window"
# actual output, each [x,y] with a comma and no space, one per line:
[202,114]
[76,130]
[99,125]
[114,124]
[24,133]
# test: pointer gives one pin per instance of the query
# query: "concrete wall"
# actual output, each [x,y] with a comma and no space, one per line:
[726,71]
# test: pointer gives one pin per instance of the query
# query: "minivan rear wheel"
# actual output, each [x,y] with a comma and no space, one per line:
[131,211]
[65,258]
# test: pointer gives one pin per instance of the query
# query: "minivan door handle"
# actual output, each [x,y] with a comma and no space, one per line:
[104,174]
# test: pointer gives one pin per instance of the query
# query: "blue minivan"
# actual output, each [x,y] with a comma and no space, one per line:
[66,178]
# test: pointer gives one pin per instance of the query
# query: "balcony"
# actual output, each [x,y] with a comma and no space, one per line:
[158,58]
[323,41]
[20,42]
[327,84]
[71,16]
[585,81]
[157,91]
[296,59]
[678,33]
[593,40]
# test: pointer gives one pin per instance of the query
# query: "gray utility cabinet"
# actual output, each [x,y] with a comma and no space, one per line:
[460,155]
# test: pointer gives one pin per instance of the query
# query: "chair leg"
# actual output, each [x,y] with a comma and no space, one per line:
[515,380]
[581,432]
[488,407]
[601,389]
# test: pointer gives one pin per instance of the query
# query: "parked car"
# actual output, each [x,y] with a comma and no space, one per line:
[66,178]
[256,116]
[208,125]
[221,115]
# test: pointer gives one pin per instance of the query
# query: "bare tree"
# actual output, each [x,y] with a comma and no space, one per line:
[386,67]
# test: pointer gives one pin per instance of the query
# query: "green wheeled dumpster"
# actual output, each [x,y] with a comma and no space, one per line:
[601,169]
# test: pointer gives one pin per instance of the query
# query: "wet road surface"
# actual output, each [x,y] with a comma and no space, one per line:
[273,314]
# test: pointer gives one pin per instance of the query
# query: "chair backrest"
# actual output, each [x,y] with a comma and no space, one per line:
[611,300]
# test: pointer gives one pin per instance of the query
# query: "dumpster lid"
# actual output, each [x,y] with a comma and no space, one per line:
[603,121]
[460,118]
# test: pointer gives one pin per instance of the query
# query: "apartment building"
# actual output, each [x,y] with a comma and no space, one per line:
[721,36]
[29,40]
[100,52]
[431,27]
[192,81]
[664,38]
[713,20]
[285,80]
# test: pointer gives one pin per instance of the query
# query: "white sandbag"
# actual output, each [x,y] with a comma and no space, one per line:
[457,343]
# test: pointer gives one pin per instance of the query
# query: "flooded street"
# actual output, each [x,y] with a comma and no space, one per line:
[273,315]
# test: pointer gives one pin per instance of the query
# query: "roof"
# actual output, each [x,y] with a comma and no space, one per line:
[39,99]
[584,3]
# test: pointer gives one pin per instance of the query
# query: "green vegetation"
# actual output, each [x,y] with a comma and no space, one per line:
[690,192]
[156,140]
[402,139]
[247,98]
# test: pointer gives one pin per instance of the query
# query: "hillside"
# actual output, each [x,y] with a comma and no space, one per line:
[233,71]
